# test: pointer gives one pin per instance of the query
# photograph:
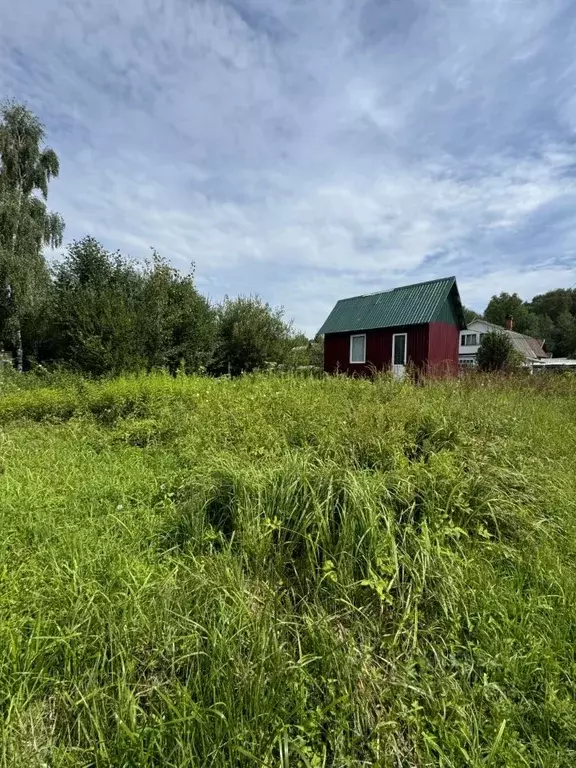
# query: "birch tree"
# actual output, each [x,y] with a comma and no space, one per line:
[26,225]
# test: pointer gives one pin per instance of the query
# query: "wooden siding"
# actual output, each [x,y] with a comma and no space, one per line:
[443,346]
[378,349]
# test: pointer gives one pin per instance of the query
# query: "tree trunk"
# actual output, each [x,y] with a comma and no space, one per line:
[18,331]
[19,347]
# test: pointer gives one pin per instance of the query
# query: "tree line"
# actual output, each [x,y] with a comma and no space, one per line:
[101,313]
[549,317]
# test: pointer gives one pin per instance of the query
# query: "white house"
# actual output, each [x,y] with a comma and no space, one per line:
[531,349]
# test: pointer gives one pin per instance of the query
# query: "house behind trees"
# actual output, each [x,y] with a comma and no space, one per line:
[531,350]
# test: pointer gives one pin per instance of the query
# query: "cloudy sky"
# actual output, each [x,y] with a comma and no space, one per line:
[309,150]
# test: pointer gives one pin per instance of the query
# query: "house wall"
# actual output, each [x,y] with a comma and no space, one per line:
[443,346]
[467,354]
[378,349]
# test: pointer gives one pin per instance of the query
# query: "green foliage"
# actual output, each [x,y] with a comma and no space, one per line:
[95,319]
[497,353]
[565,335]
[287,571]
[109,316]
[507,305]
[103,315]
[26,226]
[470,314]
[554,303]
[251,335]
[176,322]
[303,353]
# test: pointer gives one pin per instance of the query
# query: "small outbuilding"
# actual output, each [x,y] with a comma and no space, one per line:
[417,325]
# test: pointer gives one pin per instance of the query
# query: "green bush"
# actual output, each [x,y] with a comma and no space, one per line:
[497,353]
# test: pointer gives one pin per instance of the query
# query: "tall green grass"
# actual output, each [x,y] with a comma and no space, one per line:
[288,572]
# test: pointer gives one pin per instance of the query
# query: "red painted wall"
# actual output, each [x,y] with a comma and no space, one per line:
[443,347]
[378,349]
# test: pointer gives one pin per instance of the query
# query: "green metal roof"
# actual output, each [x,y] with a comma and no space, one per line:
[408,305]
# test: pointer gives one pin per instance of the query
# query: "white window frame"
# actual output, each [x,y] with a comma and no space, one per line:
[358,336]
[394,335]
[465,338]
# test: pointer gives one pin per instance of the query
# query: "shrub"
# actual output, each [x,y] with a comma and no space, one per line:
[497,353]
[251,335]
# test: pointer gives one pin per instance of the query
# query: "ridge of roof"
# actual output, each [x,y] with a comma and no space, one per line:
[413,304]
[398,288]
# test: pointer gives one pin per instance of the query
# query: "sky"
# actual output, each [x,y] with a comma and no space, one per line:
[309,150]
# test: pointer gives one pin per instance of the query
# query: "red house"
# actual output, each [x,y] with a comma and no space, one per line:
[416,324]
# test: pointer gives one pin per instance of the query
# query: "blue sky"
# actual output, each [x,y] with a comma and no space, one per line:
[312,150]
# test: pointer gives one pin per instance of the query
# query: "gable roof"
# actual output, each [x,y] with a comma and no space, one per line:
[408,305]
[528,346]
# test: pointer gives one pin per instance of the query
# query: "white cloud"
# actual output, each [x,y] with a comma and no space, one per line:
[527,284]
[309,151]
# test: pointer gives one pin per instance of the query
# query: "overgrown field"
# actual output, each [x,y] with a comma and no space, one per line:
[288,572]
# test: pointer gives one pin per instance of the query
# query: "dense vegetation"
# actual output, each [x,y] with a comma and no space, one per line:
[100,313]
[283,571]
